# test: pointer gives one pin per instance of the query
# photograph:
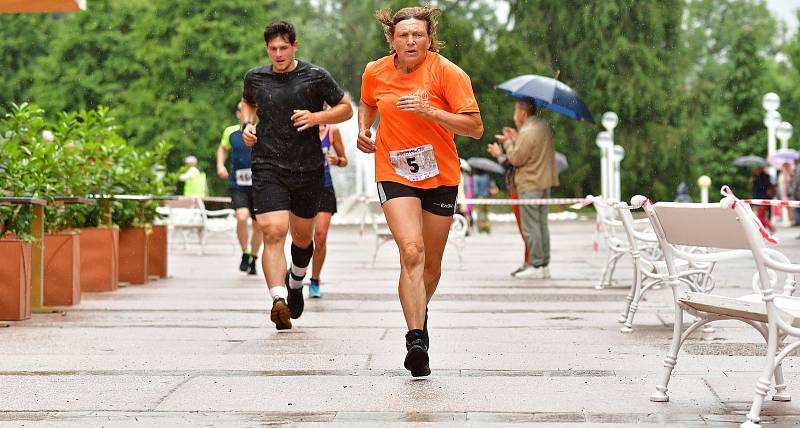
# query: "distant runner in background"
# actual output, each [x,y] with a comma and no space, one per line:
[240,185]
[332,147]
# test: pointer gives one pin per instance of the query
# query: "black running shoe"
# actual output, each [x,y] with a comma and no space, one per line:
[280,314]
[252,266]
[295,299]
[245,263]
[417,356]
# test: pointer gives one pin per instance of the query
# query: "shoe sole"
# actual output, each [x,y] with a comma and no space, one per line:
[417,361]
[280,316]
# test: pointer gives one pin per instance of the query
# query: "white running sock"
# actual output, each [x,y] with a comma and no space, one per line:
[279,291]
[297,272]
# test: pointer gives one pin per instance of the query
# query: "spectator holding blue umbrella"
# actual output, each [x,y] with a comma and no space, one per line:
[532,154]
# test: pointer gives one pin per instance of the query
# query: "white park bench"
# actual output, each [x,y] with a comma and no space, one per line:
[189,216]
[614,239]
[772,310]
[650,270]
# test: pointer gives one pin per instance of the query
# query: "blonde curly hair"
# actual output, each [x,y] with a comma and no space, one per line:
[423,13]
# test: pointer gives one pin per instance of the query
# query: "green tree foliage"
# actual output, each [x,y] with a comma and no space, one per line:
[731,44]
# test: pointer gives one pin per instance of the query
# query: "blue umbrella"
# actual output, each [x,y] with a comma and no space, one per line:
[548,93]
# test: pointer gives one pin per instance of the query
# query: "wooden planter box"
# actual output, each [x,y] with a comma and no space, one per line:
[133,254]
[62,269]
[157,252]
[99,259]
[15,280]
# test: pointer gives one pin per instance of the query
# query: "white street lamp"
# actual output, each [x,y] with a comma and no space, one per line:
[619,155]
[772,120]
[610,121]
[704,182]
[603,141]
[771,101]
[784,133]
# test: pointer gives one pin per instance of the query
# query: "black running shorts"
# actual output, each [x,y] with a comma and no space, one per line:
[327,204]
[439,200]
[275,189]
[242,199]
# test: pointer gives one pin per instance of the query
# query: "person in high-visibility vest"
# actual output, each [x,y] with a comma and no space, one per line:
[195,181]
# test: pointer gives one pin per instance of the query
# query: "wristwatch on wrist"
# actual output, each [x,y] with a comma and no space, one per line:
[244,124]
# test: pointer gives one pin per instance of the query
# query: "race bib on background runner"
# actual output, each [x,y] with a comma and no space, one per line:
[244,177]
[415,164]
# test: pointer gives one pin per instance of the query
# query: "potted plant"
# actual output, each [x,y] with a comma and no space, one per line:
[139,171]
[15,220]
[99,145]
[49,167]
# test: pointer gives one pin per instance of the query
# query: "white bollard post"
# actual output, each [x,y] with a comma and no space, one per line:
[704,182]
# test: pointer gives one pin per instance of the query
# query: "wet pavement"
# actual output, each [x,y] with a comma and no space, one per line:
[197,349]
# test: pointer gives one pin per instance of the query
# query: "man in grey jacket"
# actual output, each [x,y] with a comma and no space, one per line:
[532,153]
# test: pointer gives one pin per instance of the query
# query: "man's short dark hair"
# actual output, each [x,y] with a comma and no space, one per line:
[527,106]
[280,29]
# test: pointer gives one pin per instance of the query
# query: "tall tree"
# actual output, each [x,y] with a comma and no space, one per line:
[733,45]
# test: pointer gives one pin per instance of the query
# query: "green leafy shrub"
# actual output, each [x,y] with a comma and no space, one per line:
[78,154]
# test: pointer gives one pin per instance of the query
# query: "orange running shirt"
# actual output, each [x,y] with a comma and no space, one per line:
[409,136]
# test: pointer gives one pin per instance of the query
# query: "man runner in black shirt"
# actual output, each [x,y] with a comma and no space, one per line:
[286,97]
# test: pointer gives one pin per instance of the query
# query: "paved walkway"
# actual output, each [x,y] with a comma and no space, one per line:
[198,349]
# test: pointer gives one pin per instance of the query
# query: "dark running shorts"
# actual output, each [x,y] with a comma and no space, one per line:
[280,190]
[439,200]
[242,199]
[327,204]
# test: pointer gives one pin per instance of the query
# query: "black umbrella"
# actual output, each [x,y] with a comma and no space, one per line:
[548,93]
[750,161]
[486,164]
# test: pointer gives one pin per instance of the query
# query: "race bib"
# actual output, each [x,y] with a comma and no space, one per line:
[244,177]
[415,164]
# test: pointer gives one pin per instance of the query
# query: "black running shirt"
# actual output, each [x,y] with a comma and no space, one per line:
[276,96]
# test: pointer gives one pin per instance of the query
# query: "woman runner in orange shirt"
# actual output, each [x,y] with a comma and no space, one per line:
[423,100]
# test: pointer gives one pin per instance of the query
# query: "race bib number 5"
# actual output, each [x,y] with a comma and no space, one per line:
[415,164]
[244,177]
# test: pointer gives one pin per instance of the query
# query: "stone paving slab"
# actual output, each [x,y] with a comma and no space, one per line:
[196,349]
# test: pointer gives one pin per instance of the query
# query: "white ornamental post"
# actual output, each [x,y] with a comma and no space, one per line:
[603,141]
[619,155]
[610,121]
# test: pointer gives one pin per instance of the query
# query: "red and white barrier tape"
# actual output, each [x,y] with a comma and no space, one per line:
[772,202]
[550,201]
[728,193]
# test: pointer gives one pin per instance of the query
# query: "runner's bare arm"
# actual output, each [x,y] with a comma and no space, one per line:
[249,119]
[304,119]
[366,117]
[222,172]
[467,124]
[338,146]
